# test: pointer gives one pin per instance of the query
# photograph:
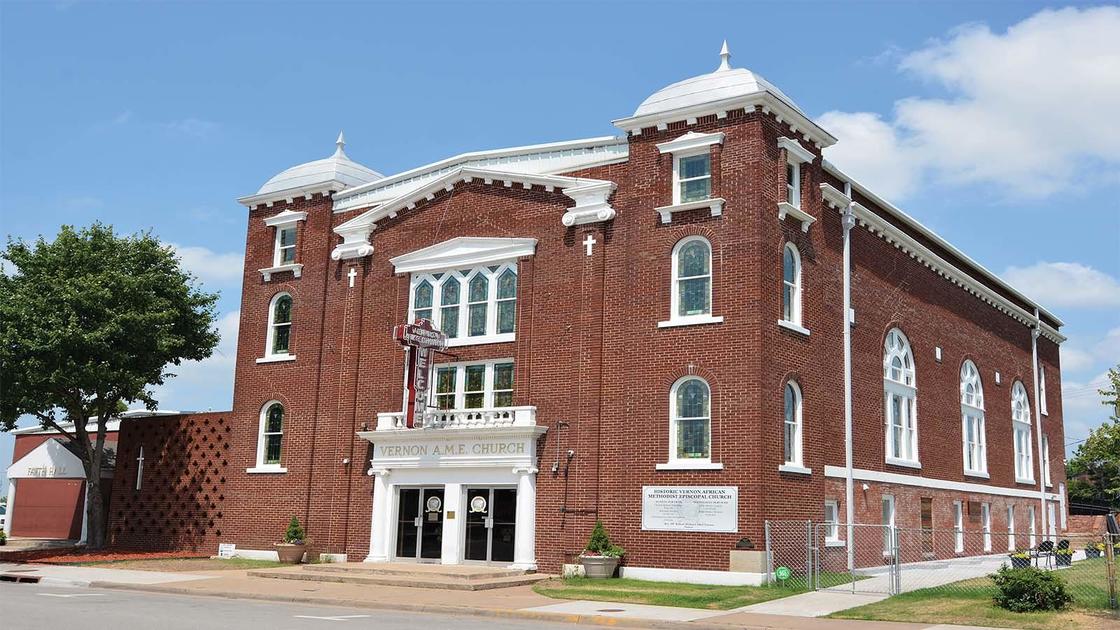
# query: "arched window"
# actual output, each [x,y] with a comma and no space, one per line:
[507,301]
[279,326]
[271,435]
[900,393]
[690,420]
[478,295]
[791,284]
[972,421]
[422,301]
[1021,426]
[692,278]
[449,307]
[792,433]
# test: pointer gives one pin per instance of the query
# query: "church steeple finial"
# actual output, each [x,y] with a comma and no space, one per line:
[340,144]
[724,58]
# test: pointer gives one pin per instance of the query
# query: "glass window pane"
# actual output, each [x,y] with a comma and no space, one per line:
[695,166]
[283,313]
[693,259]
[503,376]
[477,321]
[695,190]
[507,311]
[788,265]
[692,399]
[287,237]
[503,399]
[449,321]
[694,297]
[787,302]
[423,297]
[479,288]
[692,438]
[450,292]
[473,401]
[275,419]
[280,338]
[272,449]
[476,375]
[424,314]
[507,284]
[445,380]
[287,255]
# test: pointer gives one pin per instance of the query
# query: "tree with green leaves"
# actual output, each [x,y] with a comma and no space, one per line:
[1094,469]
[88,322]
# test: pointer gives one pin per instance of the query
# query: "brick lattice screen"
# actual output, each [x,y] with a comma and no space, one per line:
[180,503]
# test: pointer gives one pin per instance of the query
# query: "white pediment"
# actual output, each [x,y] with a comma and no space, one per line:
[464,251]
[49,460]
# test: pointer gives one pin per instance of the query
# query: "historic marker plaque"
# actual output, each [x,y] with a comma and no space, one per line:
[690,508]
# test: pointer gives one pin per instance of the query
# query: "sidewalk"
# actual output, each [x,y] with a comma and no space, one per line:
[512,603]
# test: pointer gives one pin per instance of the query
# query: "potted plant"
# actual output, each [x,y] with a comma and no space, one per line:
[3,538]
[600,557]
[1094,550]
[1020,560]
[291,550]
[1064,557]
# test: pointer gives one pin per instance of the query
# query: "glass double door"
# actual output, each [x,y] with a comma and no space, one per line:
[420,524]
[491,524]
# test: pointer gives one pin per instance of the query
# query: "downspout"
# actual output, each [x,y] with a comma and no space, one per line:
[848,221]
[1035,332]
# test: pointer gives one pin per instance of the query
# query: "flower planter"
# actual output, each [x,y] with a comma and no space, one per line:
[290,554]
[599,567]
[1064,559]
[1020,563]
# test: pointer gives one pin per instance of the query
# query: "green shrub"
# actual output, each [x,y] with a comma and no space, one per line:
[295,534]
[600,543]
[1028,589]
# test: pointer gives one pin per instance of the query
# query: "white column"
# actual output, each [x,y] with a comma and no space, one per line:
[85,514]
[452,552]
[379,518]
[525,536]
[11,507]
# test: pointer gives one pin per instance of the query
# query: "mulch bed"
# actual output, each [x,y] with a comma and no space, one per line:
[55,556]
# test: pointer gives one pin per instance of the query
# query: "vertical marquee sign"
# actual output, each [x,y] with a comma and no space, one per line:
[420,340]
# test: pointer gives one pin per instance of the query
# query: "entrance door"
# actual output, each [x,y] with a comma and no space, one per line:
[491,524]
[420,524]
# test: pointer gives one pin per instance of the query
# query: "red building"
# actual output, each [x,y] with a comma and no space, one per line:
[647,330]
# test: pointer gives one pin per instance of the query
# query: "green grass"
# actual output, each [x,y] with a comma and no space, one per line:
[970,602]
[704,596]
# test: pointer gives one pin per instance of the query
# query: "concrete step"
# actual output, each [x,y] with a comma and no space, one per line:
[455,572]
[393,576]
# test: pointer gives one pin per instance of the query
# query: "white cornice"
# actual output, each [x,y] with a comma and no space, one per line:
[286,217]
[295,268]
[839,472]
[591,197]
[834,198]
[713,204]
[690,141]
[464,251]
[808,129]
[960,277]
[291,194]
[788,209]
[794,150]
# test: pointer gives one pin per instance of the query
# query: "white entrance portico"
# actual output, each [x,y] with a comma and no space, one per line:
[453,485]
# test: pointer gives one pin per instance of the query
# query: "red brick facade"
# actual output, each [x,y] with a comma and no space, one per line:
[591,358]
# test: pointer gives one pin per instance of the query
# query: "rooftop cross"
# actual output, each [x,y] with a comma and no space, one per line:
[724,58]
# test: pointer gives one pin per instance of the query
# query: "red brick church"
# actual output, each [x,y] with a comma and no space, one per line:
[678,331]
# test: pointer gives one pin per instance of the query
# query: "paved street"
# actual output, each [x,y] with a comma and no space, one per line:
[33,607]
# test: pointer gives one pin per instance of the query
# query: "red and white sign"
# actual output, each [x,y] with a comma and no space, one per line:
[420,340]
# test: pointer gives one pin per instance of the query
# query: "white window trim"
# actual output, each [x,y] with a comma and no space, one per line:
[1042,389]
[461,382]
[1022,425]
[975,411]
[888,533]
[677,463]
[678,180]
[796,315]
[986,523]
[674,289]
[958,526]
[797,464]
[283,220]
[261,466]
[1011,528]
[1045,454]
[832,532]
[893,388]
[270,334]
[1032,530]
[461,339]
[801,330]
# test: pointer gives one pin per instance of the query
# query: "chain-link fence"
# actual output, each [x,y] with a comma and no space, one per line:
[809,555]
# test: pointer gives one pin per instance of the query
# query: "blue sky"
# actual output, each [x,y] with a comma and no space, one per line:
[991,122]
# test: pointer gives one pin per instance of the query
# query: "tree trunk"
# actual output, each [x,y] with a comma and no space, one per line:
[95,512]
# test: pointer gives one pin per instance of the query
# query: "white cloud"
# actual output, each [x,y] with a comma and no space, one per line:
[1024,111]
[221,269]
[1066,284]
[207,384]
[1075,360]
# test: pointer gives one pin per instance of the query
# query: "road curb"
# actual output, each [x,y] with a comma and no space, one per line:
[596,620]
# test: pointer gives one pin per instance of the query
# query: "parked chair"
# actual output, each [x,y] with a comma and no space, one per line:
[1045,550]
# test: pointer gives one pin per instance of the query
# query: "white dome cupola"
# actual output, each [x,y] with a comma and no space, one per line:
[716,92]
[337,172]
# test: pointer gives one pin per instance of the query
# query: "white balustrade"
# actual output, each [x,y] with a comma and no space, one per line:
[464,418]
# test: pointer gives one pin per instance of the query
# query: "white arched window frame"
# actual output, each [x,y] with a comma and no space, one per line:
[270,436]
[901,399]
[471,305]
[793,430]
[692,277]
[973,437]
[1021,431]
[690,425]
[791,288]
[278,337]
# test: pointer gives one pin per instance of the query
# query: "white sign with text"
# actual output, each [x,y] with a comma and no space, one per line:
[690,508]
